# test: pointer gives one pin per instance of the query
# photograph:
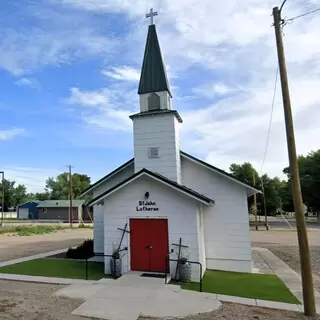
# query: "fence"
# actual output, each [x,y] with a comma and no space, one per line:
[9,215]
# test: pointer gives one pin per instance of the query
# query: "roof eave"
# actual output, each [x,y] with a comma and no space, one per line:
[106,177]
[157,112]
[219,171]
[252,191]
[190,193]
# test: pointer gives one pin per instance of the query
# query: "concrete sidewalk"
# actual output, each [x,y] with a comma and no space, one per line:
[33,257]
[269,262]
[132,296]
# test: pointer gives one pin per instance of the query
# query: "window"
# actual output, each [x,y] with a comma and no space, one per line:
[153,102]
[153,153]
[44,210]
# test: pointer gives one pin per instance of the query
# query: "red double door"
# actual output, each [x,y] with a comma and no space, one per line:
[148,244]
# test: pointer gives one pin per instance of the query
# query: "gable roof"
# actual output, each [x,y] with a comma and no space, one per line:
[222,172]
[183,154]
[183,189]
[59,203]
[106,177]
[153,74]
[27,202]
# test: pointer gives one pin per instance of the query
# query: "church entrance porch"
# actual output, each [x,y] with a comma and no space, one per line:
[148,244]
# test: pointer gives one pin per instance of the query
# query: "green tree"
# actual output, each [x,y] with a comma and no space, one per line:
[272,192]
[286,197]
[41,196]
[58,187]
[274,188]
[20,194]
[309,168]
[13,196]
[246,173]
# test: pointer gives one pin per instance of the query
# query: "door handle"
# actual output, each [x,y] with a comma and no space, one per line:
[149,247]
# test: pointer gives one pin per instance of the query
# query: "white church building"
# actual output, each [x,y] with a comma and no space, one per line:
[164,194]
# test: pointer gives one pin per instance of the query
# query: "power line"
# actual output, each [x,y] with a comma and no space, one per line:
[284,1]
[302,15]
[270,120]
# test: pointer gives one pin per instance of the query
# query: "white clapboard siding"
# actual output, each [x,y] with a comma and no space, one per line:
[98,222]
[161,131]
[98,229]
[180,210]
[226,223]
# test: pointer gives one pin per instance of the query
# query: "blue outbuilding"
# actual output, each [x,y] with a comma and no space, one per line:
[28,210]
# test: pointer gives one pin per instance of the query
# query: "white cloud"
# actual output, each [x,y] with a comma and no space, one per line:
[105,109]
[210,90]
[124,73]
[28,82]
[10,134]
[33,178]
[57,42]
[88,98]
[232,46]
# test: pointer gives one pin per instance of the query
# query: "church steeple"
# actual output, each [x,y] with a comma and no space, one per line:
[153,74]
[156,126]
[154,89]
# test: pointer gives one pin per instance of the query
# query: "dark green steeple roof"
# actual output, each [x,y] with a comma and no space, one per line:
[153,74]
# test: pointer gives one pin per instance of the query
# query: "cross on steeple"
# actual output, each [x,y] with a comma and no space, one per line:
[151,15]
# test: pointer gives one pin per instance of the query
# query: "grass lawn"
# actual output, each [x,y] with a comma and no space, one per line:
[58,268]
[247,285]
[31,230]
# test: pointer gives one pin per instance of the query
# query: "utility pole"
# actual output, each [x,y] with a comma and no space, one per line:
[255,202]
[2,199]
[70,196]
[304,250]
[265,207]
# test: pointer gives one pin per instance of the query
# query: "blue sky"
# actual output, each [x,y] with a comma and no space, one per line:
[69,71]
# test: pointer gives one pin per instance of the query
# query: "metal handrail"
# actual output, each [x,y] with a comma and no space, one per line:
[176,260]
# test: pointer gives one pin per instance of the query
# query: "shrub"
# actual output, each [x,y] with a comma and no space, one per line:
[83,251]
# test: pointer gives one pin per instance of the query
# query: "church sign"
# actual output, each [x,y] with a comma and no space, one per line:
[147,205]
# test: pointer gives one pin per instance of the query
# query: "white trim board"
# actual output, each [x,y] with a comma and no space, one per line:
[121,185]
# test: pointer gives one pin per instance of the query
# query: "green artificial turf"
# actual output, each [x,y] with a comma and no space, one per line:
[247,285]
[58,268]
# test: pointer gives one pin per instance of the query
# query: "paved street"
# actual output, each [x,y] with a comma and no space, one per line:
[280,223]
[12,247]
[282,237]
